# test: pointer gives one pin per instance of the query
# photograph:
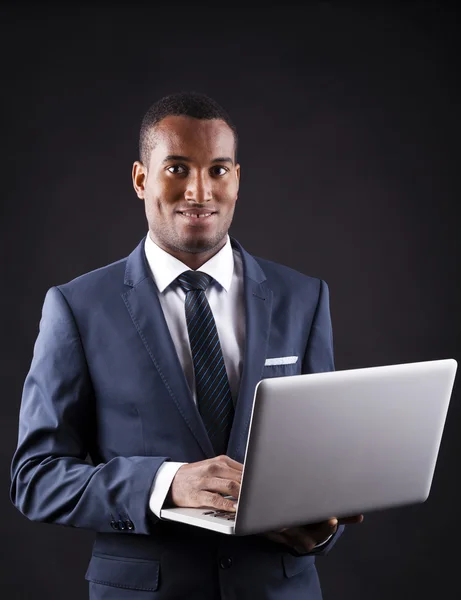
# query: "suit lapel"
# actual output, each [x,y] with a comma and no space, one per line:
[141,300]
[258,310]
[145,310]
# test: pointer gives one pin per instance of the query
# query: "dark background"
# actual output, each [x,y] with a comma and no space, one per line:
[349,127]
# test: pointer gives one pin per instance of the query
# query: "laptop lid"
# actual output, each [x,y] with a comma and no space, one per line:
[342,443]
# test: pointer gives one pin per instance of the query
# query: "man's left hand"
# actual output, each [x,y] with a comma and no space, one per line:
[303,539]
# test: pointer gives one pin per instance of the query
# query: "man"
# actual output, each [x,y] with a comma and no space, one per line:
[148,368]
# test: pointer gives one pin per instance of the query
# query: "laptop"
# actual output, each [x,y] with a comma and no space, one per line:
[336,444]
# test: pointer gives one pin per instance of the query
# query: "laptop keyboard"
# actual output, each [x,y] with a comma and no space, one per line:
[219,513]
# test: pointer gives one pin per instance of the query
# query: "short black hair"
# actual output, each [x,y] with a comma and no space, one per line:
[189,104]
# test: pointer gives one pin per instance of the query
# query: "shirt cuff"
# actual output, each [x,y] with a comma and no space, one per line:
[323,543]
[161,485]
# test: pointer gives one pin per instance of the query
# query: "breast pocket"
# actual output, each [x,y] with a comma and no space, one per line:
[282,366]
[119,575]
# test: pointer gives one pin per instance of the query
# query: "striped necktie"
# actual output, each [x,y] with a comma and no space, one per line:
[214,399]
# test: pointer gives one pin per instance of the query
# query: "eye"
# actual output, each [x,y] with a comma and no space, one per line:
[219,171]
[177,169]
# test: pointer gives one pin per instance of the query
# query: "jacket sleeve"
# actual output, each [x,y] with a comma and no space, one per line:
[50,478]
[319,357]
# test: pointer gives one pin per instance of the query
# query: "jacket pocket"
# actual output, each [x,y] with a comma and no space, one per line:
[128,573]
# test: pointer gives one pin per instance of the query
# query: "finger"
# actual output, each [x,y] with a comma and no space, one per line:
[276,537]
[300,539]
[329,526]
[351,520]
[220,468]
[280,538]
[206,499]
[320,532]
[230,462]
[230,473]
[223,486]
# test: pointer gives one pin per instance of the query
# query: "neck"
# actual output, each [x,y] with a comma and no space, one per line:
[194,260]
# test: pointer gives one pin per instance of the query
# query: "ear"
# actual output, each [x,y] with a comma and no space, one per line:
[237,174]
[139,176]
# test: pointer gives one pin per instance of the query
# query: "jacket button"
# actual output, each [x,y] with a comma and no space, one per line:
[225,562]
[121,525]
[114,524]
[129,524]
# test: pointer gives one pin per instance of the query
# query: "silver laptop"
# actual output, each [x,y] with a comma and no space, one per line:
[336,444]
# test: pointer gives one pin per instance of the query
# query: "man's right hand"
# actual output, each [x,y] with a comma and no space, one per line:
[200,484]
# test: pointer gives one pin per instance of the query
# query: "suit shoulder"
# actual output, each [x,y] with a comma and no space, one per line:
[278,272]
[105,277]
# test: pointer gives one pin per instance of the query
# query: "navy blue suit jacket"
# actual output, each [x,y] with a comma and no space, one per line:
[106,402]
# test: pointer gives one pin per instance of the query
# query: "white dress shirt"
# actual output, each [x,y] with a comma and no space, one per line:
[225,296]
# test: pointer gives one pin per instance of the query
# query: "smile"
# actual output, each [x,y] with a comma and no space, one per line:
[195,215]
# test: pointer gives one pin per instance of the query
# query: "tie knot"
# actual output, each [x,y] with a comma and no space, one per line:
[194,280]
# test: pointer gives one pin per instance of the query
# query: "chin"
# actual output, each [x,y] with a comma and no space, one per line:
[196,244]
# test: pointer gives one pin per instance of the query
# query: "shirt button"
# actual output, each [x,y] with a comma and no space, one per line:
[225,562]
[114,524]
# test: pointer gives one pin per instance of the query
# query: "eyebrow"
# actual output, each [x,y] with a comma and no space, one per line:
[186,159]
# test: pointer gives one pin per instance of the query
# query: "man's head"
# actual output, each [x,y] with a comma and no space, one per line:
[188,165]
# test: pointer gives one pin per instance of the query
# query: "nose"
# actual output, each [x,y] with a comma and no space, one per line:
[198,188]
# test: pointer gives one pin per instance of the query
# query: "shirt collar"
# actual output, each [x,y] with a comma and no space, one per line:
[165,268]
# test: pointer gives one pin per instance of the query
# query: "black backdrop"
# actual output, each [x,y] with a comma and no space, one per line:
[349,125]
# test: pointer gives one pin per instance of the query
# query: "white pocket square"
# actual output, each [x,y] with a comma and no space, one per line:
[282,360]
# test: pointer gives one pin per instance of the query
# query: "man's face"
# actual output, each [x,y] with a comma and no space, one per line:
[191,172]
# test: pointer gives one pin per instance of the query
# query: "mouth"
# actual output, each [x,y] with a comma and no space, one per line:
[196,216]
